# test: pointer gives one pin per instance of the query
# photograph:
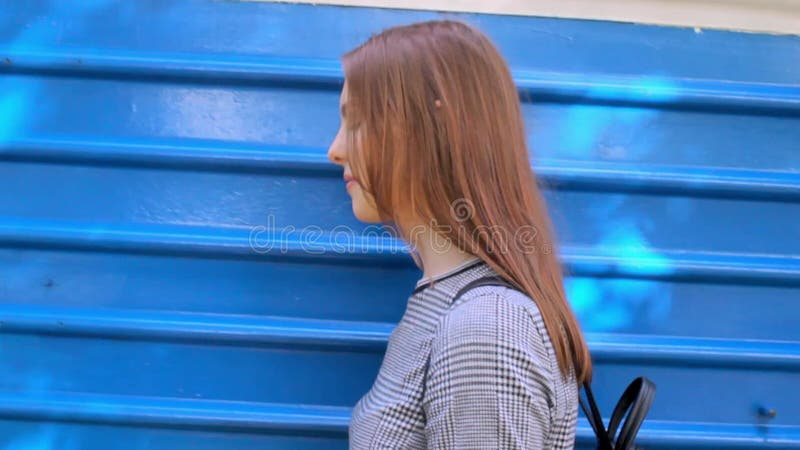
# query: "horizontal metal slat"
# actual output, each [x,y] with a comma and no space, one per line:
[576,175]
[222,329]
[177,413]
[257,242]
[314,420]
[264,70]
[213,329]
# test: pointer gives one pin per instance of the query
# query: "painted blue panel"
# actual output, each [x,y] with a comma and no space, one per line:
[142,307]
[274,115]
[206,285]
[157,369]
[275,288]
[214,199]
[24,435]
[572,46]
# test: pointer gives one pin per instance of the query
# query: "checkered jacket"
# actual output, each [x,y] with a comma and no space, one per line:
[479,373]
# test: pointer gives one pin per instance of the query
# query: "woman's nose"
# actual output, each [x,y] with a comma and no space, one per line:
[334,158]
[336,154]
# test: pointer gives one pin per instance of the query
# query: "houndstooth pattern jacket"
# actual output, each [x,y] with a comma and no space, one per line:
[477,374]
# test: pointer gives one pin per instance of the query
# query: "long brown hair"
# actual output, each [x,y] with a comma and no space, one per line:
[436,133]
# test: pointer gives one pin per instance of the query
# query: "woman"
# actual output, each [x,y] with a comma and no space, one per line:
[432,142]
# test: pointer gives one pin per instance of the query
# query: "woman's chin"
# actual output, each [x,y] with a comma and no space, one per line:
[366,215]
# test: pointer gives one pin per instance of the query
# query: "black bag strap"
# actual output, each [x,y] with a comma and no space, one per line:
[491,280]
[635,402]
[595,419]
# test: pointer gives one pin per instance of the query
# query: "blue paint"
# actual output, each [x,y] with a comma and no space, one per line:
[180,266]
[13,109]
[585,129]
[618,305]
[40,440]
[648,89]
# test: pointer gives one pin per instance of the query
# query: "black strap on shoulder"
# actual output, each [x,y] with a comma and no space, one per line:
[491,280]
[635,402]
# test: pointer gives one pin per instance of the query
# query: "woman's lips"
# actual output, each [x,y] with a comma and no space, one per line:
[349,181]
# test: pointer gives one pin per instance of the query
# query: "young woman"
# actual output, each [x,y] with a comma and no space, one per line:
[432,142]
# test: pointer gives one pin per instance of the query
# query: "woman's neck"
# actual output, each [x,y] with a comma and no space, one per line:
[437,255]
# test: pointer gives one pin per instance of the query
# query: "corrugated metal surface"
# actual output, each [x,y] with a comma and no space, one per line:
[144,146]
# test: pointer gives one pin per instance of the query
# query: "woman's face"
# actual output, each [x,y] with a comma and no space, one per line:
[363,203]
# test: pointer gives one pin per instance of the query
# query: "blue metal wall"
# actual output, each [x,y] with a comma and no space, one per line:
[142,143]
